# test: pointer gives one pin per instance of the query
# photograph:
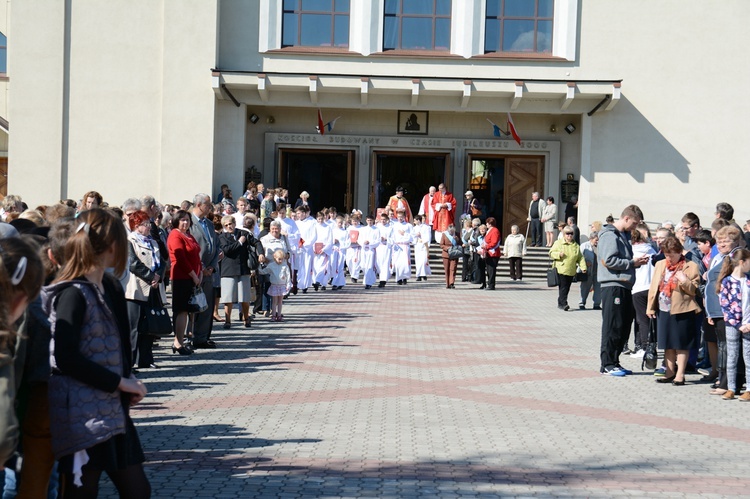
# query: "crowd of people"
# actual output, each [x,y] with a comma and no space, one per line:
[682,289]
[80,280]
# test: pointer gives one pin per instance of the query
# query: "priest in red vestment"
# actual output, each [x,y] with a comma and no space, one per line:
[445,208]
[398,202]
[426,209]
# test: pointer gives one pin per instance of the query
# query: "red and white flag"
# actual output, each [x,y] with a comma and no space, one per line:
[321,126]
[512,130]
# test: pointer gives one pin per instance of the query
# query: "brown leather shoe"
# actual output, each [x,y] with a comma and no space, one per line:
[729,395]
[745,397]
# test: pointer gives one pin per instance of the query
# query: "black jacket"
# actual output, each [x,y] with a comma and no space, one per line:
[235,262]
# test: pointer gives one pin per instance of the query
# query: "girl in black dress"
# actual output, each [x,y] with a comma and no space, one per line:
[92,386]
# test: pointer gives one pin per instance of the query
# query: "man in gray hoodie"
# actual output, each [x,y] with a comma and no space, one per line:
[616,275]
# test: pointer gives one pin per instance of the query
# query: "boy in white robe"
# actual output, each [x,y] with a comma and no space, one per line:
[402,239]
[383,250]
[338,256]
[354,252]
[369,237]
[308,236]
[322,250]
[422,238]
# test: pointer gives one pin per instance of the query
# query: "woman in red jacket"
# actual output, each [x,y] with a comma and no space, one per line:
[184,254]
[491,247]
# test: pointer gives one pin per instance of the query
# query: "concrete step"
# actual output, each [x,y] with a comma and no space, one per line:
[535,263]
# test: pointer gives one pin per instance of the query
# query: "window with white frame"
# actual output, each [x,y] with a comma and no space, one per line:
[315,23]
[417,25]
[519,26]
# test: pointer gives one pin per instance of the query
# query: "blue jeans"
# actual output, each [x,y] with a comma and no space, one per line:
[10,489]
[733,354]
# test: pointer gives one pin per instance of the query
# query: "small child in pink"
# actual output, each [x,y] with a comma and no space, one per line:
[278,272]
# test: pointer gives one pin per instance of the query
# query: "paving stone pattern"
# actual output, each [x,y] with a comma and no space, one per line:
[421,391]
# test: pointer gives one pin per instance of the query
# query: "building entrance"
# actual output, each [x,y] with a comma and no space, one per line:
[414,172]
[504,184]
[325,174]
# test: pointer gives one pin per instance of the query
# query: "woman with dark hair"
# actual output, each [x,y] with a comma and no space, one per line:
[184,255]
[641,246]
[492,251]
[671,298]
[92,387]
[447,240]
[147,269]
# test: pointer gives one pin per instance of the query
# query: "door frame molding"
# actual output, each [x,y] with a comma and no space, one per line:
[458,149]
[351,167]
[447,173]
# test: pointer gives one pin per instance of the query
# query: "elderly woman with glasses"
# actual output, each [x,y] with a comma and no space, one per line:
[566,255]
[236,285]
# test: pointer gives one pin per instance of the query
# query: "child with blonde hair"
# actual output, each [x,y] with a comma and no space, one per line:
[278,272]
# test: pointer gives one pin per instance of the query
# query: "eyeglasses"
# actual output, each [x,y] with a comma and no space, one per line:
[229,225]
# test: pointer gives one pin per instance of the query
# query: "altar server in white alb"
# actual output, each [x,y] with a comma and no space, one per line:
[369,237]
[290,230]
[354,252]
[338,255]
[422,235]
[307,238]
[402,240]
[322,250]
[384,249]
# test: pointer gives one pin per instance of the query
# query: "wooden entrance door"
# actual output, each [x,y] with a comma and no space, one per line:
[523,176]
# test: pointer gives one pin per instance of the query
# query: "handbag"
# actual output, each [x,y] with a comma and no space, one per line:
[155,319]
[197,302]
[581,276]
[553,278]
[455,253]
[650,357]
[252,253]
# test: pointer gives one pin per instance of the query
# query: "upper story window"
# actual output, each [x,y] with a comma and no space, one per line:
[417,25]
[315,23]
[3,53]
[519,26]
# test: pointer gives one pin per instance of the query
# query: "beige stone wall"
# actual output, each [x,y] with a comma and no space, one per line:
[125,108]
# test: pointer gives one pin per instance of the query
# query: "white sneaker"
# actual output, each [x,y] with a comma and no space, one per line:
[638,354]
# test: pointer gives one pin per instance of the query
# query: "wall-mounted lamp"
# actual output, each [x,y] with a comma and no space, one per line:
[270,120]
[570,128]
[254,118]
[553,128]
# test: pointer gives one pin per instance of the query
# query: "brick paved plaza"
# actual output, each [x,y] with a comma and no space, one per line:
[421,391]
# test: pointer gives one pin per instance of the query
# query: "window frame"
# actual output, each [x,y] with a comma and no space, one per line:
[332,13]
[434,17]
[502,18]
[4,51]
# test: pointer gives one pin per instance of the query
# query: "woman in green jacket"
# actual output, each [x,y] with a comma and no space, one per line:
[566,254]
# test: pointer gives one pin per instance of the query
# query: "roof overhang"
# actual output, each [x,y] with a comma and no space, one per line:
[438,94]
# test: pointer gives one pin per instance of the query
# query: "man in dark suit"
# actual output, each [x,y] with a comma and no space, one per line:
[204,233]
[151,208]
